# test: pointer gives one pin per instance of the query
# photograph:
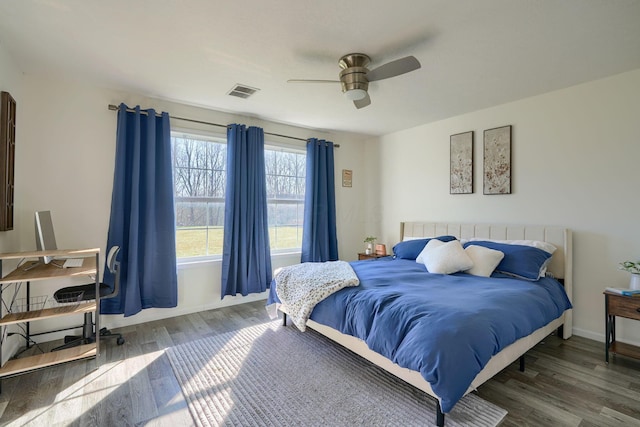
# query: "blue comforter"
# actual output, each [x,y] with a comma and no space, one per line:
[447,327]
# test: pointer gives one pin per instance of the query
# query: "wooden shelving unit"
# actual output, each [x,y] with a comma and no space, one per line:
[38,272]
[47,313]
[39,361]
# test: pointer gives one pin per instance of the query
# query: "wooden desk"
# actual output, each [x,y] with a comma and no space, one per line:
[90,267]
[49,271]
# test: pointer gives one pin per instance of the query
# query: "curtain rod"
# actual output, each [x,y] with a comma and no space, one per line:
[131,110]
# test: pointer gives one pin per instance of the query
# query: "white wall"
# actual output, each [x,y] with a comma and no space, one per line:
[65,164]
[575,157]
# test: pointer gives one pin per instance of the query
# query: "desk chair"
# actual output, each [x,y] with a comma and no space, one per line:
[88,292]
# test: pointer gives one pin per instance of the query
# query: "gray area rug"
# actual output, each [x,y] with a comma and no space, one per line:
[271,375]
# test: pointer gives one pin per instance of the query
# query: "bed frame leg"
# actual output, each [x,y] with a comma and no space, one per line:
[284,319]
[521,363]
[439,415]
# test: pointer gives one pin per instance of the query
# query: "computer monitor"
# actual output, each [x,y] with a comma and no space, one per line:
[45,236]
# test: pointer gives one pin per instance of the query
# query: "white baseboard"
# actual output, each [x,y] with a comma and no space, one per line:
[152,314]
[596,336]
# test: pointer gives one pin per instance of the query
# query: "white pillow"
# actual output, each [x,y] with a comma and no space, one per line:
[485,260]
[446,258]
[423,254]
[545,246]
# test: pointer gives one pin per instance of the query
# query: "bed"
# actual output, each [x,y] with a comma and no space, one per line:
[336,316]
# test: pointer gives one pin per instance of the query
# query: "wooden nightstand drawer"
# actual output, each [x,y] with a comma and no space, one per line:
[362,256]
[623,306]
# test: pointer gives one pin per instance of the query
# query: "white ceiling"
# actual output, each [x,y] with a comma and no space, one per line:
[474,54]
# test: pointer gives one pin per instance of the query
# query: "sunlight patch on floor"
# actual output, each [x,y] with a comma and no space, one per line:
[86,390]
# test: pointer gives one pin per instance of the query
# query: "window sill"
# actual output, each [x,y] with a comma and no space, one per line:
[186,263]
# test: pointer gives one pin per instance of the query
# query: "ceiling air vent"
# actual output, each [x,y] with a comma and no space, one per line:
[242,91]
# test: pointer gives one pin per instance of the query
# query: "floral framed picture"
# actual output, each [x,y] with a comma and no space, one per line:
[497,160]
[461,163]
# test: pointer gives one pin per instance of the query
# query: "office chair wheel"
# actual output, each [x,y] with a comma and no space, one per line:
[120,341]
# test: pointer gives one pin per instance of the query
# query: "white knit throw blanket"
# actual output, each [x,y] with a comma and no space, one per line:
[300,287]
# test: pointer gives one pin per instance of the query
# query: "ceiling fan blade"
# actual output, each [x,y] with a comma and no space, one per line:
[394,68]
[361,103]
[311,81]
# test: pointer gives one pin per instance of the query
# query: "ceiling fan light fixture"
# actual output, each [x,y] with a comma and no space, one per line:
[355,94]
[355,76]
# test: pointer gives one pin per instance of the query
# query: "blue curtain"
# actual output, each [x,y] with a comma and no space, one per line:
[142,219]
[319,239]
[246,256]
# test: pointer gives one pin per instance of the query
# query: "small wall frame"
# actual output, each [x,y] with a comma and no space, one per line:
[347,177]
[461,163]
[497,160]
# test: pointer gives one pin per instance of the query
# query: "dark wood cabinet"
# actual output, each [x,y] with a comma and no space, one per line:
[7,159]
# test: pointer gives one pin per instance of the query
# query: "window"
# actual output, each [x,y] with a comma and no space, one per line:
[285,170]
[199,176]
[199,180]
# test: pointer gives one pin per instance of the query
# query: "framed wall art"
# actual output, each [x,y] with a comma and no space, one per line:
[461,163]
[497,160]
[347,177]
[7,159]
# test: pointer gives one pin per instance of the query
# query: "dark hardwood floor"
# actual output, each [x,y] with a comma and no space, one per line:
[566,383]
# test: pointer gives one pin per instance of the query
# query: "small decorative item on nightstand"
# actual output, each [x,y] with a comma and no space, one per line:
[633,268]
[369,240]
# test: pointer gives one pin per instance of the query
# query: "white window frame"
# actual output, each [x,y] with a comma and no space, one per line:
[205,136]
[269,145]
[222,138]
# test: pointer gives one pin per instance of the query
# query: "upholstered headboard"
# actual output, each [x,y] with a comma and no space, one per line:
[561,265]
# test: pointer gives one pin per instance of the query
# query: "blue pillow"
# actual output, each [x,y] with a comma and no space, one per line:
[410,249]
[523,262]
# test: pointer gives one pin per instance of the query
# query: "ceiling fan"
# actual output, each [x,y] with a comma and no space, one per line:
[355,76]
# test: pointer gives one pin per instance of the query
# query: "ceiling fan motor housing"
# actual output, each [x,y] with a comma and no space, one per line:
[354,72]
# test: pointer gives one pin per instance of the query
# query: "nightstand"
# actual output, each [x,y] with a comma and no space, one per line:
[622,306]
[362,256]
